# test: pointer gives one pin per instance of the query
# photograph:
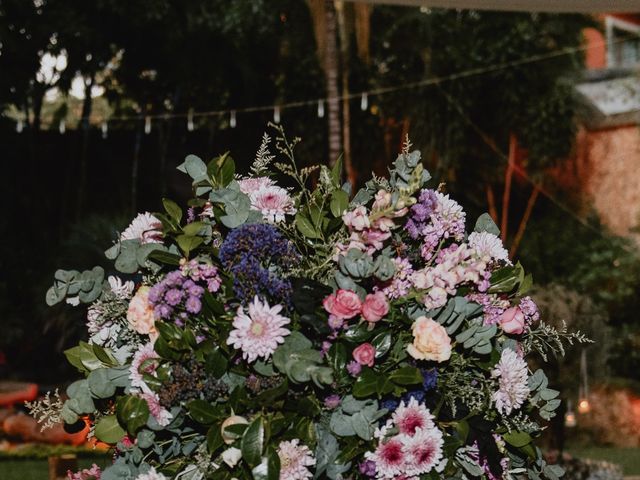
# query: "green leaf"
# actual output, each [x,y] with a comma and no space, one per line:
[194,167]
[339,202]
[305,226]
[216,363]
[366,384]
[252,443]
[132,412]
[167,258]
[406,376]
[100,384]
[108,430]
[203,412]
[214,438]
[382,343]
[517,439]
[193,228]
[187,243]
[73,357]
[172,208]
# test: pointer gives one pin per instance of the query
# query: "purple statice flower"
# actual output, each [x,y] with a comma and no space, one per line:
[191,215]
[390,404]
[335,323]
[354,368]
[204,273]
[429,379]
[492,306]
[421,212]
[326,345]
[258,257]
[367,468]
[332,401]
[173,296]
[530,310]
[193,305]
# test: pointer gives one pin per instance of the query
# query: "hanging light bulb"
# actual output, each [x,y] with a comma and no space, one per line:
[583,404]
[104,128]
[19,126]
[276,114]
[320,108]
[62,127]
[147,125]
[570,416]
[232,119]
[190,125]
[364,101]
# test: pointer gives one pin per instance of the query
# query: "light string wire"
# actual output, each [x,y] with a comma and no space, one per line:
[487,140]
[364,95]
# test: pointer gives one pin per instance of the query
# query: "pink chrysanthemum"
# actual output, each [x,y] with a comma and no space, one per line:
[423,451]
[157,411]
[144,353]
[409,418]
[511,372]
[389,458]
[145,227]
[273,202]
[294,460]
[258,333]
[488,246]
[251,185]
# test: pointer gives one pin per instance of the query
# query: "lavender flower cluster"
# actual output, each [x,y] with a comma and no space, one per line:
[256,255]
[180,293]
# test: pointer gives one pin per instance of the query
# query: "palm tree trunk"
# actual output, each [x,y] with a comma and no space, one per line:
[331,79]
[346,111]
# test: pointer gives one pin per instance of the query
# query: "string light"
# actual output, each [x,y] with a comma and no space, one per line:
[570,416]
[19,126]
[190,125]
[147,125]
[104,128]
[320,108]
[364,101]
[232,119]
[62,127]
[583,404]
[276,114]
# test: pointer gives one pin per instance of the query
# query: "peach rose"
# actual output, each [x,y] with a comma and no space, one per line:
[512,321]
[343,304]
[365,354]
[430,341]
[140,314]
[375,307]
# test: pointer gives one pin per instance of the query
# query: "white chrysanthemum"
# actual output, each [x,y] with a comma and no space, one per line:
[145,227]
[450,215]
[107,335]
[511,372]
[258,333]
[294,460]
[151,474]
[423,451]
[251,185]
[120,289]
[488,246]
[144,354]
[273,202]
[408,418]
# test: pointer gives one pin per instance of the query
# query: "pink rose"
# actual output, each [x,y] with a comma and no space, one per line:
[430,341]
[375,307]
[512,321]
[365,354]
[343,304]
[356,219]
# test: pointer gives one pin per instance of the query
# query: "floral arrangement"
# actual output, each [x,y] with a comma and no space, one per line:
[293,333]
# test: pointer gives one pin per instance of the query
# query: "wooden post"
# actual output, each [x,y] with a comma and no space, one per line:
[61,464]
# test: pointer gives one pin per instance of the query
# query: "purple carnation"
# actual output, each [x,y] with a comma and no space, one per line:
[367,468]
[354,368]
[332,401]
[193,305]
[174,296]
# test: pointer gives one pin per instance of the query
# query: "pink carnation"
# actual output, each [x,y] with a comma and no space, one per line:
[273,202]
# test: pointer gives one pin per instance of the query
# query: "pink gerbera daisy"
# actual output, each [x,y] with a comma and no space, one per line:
[143,363]
[294,460]
[145,227]
[423,451]
[409,418]
[157,411]
[389,458]
[258,333]
[273,202]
